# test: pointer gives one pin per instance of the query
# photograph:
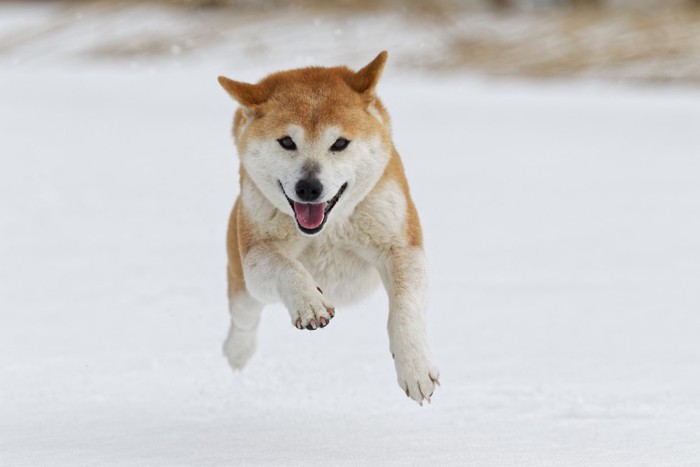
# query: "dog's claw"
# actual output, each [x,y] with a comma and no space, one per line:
[317,320]
[319,289]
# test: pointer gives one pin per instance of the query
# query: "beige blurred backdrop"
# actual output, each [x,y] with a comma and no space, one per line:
[651,41]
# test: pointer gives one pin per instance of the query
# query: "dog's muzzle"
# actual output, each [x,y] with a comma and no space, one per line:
[311,217]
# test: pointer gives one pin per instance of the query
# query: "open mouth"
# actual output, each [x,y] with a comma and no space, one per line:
[311,217]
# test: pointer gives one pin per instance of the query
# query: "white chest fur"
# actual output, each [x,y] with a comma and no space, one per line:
[338,268]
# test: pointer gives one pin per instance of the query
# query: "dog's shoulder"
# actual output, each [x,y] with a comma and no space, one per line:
[387,215]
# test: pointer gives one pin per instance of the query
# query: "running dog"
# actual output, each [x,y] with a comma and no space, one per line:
[324,213]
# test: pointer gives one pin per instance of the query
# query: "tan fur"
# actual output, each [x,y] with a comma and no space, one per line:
[236,282]
[395,171]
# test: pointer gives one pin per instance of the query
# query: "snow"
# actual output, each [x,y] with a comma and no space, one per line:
[562,230]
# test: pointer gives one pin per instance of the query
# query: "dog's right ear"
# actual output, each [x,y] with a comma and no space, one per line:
[365,80]
[248,95]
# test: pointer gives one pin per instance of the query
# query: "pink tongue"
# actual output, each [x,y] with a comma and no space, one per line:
[309,216]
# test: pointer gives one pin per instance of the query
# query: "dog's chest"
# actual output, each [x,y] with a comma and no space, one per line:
[341,273]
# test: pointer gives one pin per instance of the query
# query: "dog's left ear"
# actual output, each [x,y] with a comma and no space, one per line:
[365,80]
[248,95]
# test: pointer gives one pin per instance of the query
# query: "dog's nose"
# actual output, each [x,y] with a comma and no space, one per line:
[308,189]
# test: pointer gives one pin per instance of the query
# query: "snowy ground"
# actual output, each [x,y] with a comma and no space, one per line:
[563,231]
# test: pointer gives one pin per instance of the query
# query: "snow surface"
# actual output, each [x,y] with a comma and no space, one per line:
[563,231]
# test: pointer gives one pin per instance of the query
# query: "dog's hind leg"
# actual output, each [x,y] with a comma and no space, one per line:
[245,310]
[245,317]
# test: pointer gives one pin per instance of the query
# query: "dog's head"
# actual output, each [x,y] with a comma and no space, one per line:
[313,140]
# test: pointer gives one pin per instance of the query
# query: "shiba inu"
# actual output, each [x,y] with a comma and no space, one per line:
[324,213]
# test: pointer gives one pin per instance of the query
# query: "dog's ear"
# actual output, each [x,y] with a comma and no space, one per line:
[365,80]
[248,95]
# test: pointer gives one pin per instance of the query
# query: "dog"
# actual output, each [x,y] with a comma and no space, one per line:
[324,213]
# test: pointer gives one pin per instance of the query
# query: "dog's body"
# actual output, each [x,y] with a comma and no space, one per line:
[324,213]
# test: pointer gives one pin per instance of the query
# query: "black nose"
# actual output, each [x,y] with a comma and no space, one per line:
[308,189]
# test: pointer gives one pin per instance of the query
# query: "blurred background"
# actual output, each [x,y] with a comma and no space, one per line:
[633,40]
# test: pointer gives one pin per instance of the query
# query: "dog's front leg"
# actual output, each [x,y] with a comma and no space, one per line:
[406,280]
[273,276]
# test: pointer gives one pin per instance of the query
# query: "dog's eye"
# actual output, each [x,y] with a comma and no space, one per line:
[340,144]
[287,143]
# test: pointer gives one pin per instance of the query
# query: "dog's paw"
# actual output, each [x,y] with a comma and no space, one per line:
[416,375]
[311,311]
[239,347]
